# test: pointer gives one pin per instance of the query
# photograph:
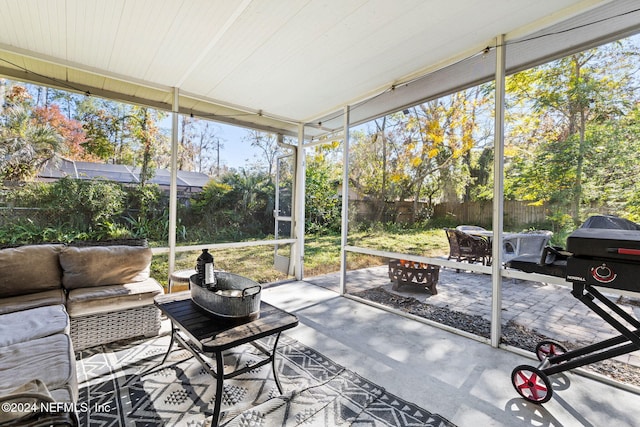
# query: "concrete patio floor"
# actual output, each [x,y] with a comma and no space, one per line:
[464,380]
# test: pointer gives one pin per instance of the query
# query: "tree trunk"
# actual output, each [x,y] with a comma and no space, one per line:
[579,114]
[145,169]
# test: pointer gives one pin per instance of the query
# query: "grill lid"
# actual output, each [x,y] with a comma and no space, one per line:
[605,243]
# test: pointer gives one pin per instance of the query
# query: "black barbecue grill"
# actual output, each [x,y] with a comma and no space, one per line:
[595,257]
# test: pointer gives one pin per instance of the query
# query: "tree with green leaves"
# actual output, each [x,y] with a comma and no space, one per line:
[26,144]
[100,121]
[557,110]
[425,152]
[323,205]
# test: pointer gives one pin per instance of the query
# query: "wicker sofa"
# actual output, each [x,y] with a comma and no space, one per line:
[56,299]
[105,288]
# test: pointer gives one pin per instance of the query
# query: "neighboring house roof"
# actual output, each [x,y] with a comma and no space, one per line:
[58,168]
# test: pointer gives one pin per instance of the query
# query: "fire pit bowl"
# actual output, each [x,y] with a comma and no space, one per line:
[235,296]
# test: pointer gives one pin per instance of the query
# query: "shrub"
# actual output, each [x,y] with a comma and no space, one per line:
[86,202]
[66,210]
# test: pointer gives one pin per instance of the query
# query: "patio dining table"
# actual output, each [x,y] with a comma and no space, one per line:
[517,244]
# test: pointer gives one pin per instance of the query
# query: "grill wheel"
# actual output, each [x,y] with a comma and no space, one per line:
[549,348]
[532,384]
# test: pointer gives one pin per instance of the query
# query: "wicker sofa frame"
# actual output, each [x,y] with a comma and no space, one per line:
[102,328]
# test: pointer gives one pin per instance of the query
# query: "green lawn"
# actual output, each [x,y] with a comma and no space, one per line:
[322,254]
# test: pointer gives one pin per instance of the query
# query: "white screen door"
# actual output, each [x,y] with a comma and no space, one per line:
[285,174]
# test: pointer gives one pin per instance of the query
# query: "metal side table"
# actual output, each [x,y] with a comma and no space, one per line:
[201,333]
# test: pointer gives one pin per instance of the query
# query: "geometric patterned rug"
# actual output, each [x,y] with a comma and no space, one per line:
[317,391]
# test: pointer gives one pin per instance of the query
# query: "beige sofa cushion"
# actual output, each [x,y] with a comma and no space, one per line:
[49,359]
[32,324]
[28,269]
[27,301]
[104,265]
[103,299]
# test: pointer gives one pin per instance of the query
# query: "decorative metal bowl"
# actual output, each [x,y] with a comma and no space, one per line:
[234,296]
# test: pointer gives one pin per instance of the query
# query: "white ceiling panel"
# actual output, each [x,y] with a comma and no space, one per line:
[237,49]
[198,28]
[82,32]
[265,63]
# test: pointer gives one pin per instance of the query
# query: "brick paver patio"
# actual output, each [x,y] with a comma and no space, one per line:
[549,309]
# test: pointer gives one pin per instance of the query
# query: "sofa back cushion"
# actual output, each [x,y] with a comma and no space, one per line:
[104,265]
[29,269]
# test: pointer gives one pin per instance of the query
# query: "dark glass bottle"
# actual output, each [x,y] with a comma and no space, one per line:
[204,268]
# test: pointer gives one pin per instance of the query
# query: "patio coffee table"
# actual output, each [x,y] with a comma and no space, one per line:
[201,333]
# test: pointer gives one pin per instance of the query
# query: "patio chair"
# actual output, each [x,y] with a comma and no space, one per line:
[465,247]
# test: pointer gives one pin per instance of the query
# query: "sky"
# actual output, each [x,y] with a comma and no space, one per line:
[235,153]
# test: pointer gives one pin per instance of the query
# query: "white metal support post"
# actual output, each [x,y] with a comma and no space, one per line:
[498,194]
[173,189]
[299,207]
[345,202]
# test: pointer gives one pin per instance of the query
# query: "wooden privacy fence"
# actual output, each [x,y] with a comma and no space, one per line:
[516,213]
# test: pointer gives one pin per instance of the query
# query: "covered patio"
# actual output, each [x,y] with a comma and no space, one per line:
[463,380]
[429,373]
[309,72]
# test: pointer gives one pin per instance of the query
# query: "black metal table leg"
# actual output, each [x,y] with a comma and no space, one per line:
[271,358]
[219,388]
[173,338]
[273,364]
[166,355]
